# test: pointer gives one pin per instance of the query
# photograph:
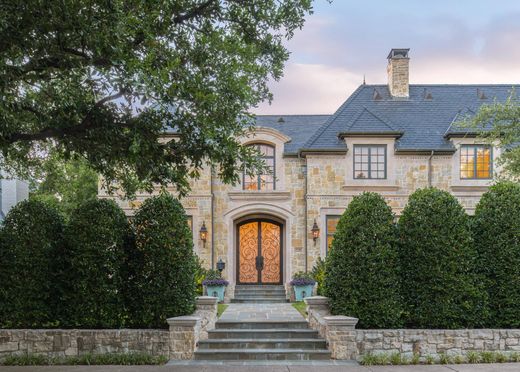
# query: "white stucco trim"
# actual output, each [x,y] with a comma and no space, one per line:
[235,214]
[258,133]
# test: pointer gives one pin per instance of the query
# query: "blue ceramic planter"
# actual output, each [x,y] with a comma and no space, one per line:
[216,291]
[302,291]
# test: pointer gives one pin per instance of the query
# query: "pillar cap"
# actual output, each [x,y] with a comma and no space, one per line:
[206,300]
[341,320]
[184,321]
[316,300]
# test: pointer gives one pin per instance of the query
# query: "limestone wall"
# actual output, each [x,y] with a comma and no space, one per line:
[179,342]
[74,342]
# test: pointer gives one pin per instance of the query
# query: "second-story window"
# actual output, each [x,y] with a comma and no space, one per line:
[476,162]
[370,161]
[265,181]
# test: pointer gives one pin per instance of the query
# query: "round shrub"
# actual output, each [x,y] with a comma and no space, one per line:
[496,231]
[30,241]
[439,285]
[361,277]
[165,273]
[96,235]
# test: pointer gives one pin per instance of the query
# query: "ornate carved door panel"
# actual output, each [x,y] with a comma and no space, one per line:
[259,252]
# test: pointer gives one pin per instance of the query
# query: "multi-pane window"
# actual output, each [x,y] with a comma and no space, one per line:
[370,161]
[266,180]
[330,228]
[476,161]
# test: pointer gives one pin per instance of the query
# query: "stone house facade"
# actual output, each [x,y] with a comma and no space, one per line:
[391,139]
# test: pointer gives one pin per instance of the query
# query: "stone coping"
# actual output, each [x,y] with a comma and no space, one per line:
[206,300]
[187,321]
[316,300]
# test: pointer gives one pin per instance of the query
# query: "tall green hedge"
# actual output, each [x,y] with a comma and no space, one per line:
[362,277]
[30,241]
[96,235]
[439,285]
[164,284]
[496,230]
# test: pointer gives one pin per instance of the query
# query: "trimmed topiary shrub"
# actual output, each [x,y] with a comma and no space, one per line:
[439,285]
[164,284]
[96,235]
[361,277]
[30,241]
[496,231]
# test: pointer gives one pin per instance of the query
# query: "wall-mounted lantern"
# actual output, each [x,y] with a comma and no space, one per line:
[221,265]
[315,232]
[203,233]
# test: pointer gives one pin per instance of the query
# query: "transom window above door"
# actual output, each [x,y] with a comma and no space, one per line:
[476,162]
[369,161]
[266,180]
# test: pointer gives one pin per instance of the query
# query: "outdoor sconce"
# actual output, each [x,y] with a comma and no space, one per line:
[315,232]
[221,265]
[203,233]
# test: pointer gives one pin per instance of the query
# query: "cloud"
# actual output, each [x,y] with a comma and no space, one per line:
[468,42]
[310,89]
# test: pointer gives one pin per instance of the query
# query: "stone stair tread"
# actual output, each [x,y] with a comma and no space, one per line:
[264,330]
[262,351]
[260,340]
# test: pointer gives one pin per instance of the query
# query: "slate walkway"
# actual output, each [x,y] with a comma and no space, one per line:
[508,367]
[253,312]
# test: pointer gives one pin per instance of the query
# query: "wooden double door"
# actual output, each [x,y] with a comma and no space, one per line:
[259,258]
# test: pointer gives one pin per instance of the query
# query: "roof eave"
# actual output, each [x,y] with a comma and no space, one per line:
[318,151]
[460,135]
[384,134]
[420,151]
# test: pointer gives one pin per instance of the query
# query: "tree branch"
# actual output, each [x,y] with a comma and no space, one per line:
[51,132]
[195,12]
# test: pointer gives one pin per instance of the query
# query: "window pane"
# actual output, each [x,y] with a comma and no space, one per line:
[369,162]
[475,162]
[332,222]
[265,181]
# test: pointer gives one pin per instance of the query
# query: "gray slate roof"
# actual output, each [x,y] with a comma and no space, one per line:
[299,127]
[424,118]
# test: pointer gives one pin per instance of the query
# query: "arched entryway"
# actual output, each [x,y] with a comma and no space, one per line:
[259,251]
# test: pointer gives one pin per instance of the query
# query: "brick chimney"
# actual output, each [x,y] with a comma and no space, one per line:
[398,73]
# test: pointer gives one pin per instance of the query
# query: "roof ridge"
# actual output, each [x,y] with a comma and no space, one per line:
[265,115]
[385,122]
[333,117]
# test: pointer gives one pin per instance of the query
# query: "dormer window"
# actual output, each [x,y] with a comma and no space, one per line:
[370,161]
[264,181]
[476,162]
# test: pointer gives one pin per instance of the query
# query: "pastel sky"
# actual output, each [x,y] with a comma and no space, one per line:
[450,41]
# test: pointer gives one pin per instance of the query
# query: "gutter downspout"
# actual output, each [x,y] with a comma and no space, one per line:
[430,169]
[306,211]
[212,221]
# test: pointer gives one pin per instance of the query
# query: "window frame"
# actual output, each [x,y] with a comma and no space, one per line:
[327,218]
[258,176]
[475,157]
[369,146]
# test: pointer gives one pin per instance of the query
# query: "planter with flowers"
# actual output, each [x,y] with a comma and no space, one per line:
[303,284]
[215,285]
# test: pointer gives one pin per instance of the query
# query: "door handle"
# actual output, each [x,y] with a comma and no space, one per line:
[259,262]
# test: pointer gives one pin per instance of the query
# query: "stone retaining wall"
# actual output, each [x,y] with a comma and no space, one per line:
[179,342]
[347,342]
[74,342]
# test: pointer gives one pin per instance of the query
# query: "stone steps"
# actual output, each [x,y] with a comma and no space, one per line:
[261,343]
[262,324]
[258,300]
[288,338]
[262,354]
[272,333]
[259,294]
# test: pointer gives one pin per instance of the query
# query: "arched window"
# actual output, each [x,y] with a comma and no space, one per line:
[264,181]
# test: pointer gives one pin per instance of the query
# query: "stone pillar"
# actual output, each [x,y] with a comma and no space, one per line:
[338,330]
[184,333]
[317,308]
[206,310]
[341,336]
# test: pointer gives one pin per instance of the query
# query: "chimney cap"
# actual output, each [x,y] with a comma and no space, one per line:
[398,53]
